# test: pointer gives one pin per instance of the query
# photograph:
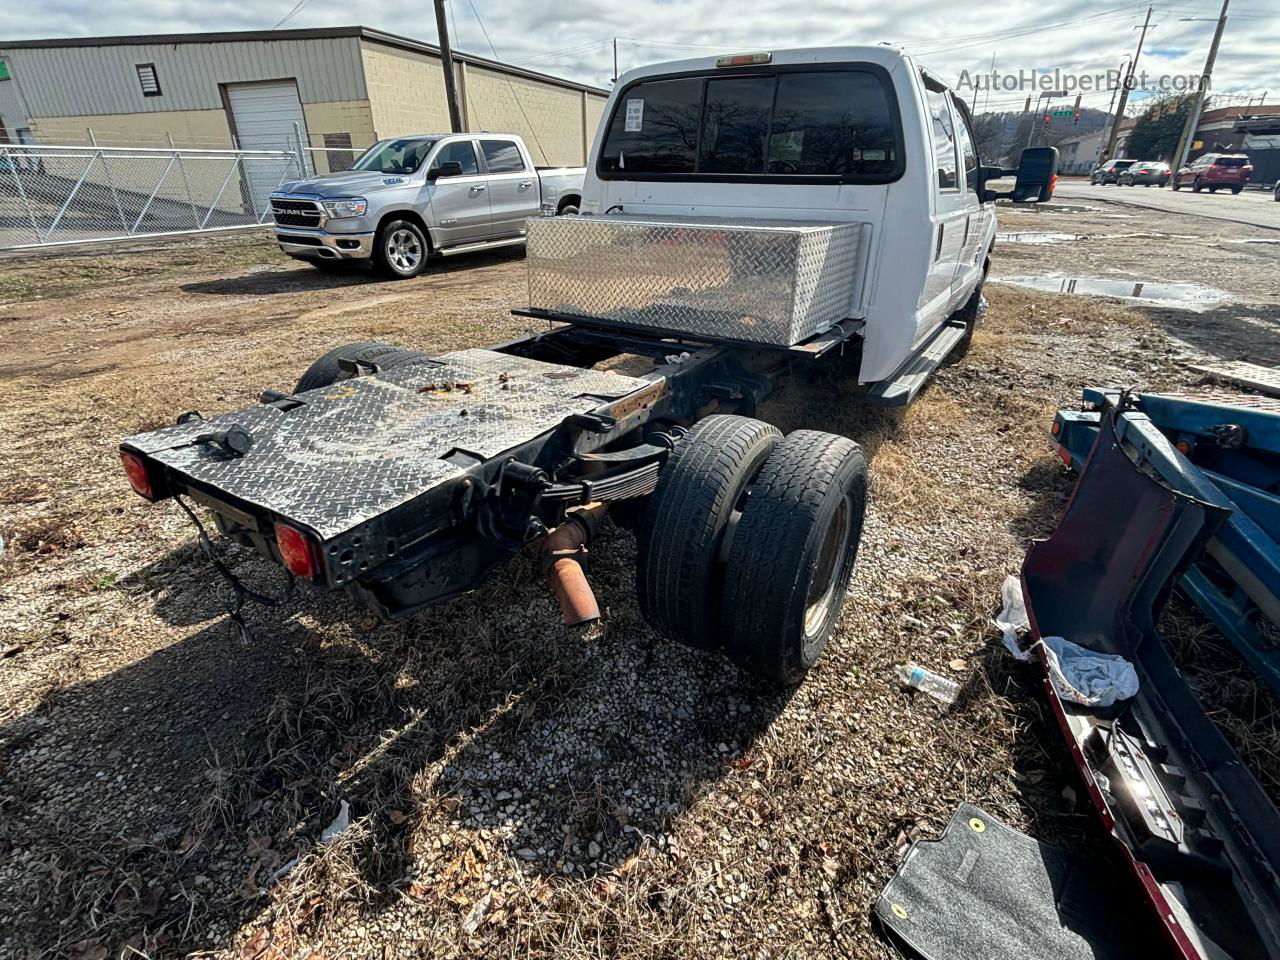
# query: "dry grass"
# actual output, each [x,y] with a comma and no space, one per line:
[514,789]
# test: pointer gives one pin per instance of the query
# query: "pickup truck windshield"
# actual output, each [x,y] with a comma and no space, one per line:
[819,125]
[395,156]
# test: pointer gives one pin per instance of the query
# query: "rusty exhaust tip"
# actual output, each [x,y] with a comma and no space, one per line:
[562,554]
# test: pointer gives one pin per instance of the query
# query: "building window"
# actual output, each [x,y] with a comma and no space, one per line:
[338,148]
[148,79]
[4,70]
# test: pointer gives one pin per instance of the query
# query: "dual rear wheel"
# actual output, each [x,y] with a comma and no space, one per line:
[748,543]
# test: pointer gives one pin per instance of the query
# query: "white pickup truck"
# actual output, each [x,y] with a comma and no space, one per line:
[410,197]
[743,217]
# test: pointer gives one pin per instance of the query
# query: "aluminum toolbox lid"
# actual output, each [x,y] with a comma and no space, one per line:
[364,446]
[760,224]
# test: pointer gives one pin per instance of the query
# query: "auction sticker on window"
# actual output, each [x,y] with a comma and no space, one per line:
[635,116]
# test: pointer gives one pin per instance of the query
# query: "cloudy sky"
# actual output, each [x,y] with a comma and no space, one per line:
[572,38]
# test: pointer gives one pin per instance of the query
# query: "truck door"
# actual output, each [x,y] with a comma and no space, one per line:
[978,216]
[459,205]
[513,186]
[948,215]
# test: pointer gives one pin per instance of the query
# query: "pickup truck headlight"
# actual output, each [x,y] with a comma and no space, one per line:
[353,207]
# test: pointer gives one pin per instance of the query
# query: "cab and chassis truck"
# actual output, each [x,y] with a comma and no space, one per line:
[404,479]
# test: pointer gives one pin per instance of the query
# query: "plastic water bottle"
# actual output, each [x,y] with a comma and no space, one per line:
[938,687]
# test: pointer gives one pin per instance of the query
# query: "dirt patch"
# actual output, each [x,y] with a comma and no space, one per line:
[512,788]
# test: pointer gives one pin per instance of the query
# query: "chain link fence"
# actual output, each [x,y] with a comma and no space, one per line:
[53,195]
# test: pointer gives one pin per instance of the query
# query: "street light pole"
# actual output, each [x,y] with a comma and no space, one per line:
[1193,115]
[450,79]
[1124,93]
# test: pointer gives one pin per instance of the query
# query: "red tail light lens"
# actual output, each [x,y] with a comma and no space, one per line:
[135,468]
[298,551]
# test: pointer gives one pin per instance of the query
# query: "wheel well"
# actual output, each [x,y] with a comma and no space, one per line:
[566,200]
[410,215]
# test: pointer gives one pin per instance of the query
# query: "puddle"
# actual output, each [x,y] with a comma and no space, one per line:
[1188,296]
[1038,238]
[1050,207]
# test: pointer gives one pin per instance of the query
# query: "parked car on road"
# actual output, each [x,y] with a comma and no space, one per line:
[1216,171]
[1110,172]
[409,198]
[1145,172]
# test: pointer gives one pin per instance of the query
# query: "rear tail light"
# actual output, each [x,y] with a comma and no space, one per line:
[135,468]
[298,552]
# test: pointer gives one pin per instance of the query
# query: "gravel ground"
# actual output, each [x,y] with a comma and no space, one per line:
[512,787]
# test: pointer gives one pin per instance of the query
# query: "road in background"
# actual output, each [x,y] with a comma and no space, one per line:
[1252,207]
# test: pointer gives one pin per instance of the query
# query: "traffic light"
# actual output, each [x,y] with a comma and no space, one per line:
[1075,121]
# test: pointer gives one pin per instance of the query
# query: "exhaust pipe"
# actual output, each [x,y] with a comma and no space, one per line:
[562,553]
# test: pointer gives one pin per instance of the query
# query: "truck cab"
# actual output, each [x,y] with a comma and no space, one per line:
[859,135]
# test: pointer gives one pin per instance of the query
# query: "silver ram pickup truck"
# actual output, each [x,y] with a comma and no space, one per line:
[412,197]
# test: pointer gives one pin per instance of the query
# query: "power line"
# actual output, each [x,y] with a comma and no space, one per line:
[515,96]
[297,9]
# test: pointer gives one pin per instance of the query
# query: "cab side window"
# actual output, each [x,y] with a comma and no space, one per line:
[943,131]
[461,151]
[968,152]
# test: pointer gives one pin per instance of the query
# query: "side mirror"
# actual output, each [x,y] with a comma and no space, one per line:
[449,168]
[1037,175]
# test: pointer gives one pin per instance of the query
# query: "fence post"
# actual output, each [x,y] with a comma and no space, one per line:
[115,195]
[302,154]
[186,184]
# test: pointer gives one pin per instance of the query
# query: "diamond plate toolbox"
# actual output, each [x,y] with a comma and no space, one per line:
[774,282]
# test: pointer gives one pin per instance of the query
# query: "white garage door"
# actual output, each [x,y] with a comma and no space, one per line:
[264,116]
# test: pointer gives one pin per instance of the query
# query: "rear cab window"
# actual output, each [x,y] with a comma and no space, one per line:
[814,124]
[502,156]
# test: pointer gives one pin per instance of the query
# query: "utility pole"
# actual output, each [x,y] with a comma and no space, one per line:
[450,78]
[1193,115]
[1124,93]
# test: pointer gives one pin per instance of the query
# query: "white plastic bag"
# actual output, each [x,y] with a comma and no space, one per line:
[1078,674]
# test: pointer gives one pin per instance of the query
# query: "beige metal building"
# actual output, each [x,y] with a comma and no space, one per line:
[341,86]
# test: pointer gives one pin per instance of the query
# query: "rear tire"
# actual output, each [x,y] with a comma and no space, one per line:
[678,570]
[325,371]
[400,250]
[1236,190]
[793,553]
[1175,185]
[568,209]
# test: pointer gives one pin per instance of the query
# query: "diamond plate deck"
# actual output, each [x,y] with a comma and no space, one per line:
[364,446]
[1263,379]
[762,281]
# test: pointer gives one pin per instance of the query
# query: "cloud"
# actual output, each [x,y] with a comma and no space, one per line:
[572,38]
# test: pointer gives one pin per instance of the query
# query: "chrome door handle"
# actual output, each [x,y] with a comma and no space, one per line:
[477,188]
[526,183]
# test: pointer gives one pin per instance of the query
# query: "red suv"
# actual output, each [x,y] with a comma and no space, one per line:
[1215,171]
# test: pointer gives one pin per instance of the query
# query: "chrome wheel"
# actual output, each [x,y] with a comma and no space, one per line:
[404,250]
